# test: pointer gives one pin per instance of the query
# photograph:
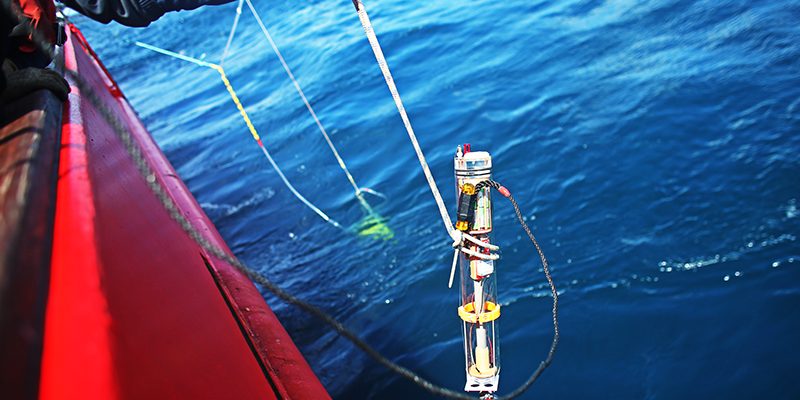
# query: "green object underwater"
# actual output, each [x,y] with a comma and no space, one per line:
[374,226]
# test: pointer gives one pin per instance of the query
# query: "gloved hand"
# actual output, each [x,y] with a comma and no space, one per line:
[134,12]
[177,5]
[23,81]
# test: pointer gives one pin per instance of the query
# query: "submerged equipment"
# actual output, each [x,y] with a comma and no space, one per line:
[478,308]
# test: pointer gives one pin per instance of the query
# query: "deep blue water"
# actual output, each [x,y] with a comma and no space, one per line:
[652,145]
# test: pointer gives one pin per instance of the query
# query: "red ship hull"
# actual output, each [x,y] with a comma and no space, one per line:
[128,305]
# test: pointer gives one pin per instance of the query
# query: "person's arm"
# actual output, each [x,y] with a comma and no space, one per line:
[134,12]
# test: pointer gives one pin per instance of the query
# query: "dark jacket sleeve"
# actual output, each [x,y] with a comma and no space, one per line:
[134,12]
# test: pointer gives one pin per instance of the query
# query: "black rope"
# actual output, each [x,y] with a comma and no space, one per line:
[121,130]
[546,268]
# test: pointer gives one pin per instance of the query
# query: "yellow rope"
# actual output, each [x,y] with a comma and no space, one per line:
[222,75]
[372,225]
[235,99]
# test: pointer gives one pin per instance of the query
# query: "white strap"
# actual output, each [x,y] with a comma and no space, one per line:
[455,234]
[387,75]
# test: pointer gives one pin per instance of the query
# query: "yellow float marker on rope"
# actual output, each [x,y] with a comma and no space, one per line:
[247,121]
[372,225]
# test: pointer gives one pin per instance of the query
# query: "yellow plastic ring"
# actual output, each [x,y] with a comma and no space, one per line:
[467,313]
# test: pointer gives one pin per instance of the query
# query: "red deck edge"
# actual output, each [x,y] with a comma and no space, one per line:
[136,309]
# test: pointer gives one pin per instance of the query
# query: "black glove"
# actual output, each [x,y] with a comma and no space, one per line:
[28,80]
[134,12]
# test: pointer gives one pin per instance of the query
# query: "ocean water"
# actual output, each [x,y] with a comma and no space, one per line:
[653,147]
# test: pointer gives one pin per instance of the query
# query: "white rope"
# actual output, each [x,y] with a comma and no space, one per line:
[296,193]
[230,36]
[457,236]
[387,75]
[175,55]
[480,255]
[356,189]
[252,128]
